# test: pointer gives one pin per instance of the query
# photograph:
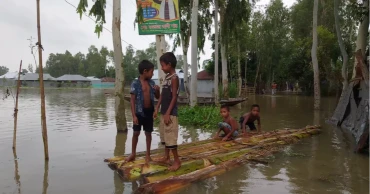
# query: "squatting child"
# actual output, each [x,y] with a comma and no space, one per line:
[229,125]
[248,119]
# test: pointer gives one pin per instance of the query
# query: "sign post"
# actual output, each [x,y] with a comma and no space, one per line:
[160,17]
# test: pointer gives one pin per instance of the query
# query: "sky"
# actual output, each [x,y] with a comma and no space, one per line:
[62,29]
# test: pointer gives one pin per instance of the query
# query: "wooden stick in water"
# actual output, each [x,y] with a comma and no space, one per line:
[16,108]
[42,93]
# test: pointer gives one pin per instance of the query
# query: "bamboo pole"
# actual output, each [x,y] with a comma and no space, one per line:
[42,93]
[16,108]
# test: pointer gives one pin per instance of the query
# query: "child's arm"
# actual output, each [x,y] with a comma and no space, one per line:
[132,102]
[217,134]
[259,124]
[234,127]
[157,91]
[157,107]
[175,88]
[244,123]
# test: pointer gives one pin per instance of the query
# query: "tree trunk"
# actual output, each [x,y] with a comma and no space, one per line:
[160,41]
[194,53]
[314,57]
[341,46]
[121,122]
[239,73]
[245,71]
[257,72]
[225,81]
[42,93]
[215,86]
[185,46]
[361,36]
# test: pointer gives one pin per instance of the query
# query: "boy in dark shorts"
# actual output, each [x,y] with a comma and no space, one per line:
[229,125]
[169,126]
[249,118]
[143,91]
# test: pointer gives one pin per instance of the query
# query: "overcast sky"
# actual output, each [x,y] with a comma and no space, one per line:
[62,29]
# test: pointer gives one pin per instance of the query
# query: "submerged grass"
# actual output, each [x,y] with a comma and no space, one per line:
[205,117]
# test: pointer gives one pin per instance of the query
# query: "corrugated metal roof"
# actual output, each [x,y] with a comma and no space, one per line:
[68,77]
[35,76]
[10,75]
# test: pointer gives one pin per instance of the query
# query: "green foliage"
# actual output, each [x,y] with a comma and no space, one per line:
[204,24]
[139,15]
[278,40]
[97,10]
[205,117]
[233,90]
[3,70]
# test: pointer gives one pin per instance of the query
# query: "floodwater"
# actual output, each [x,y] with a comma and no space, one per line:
[81,130]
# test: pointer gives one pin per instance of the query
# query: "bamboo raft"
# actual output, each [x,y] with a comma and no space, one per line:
[204,159]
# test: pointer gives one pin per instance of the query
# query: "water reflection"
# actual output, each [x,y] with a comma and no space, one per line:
[119,150]
[45,184]
[17,177]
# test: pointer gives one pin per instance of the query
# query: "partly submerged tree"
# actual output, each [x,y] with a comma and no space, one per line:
[233,13]
[98,11]
[341,46]
[315,63]
[203,25]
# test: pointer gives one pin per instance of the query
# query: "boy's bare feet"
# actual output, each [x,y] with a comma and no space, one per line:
[164,160]
[131,158]
[148,159]
[175,166]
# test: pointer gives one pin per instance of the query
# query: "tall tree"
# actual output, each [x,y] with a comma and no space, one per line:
[98,10]
[216,92]
[314,57]
[121,122]
[194,54]
[341,46]
[203,29]
[225,80]
[3,70]
[362,32]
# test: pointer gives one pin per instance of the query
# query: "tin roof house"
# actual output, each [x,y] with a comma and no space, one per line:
[32,80]
[69,80]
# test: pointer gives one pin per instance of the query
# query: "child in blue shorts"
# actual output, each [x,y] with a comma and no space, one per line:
[229,125]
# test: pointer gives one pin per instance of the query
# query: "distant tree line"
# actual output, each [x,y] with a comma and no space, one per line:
[98,62]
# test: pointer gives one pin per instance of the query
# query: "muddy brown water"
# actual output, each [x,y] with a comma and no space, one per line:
[82,133]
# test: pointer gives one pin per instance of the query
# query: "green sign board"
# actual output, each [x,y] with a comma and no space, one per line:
[160,17]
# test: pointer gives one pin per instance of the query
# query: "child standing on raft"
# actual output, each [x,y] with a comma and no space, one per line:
[229,125]
[143,91]
[249,118]
[169,126]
